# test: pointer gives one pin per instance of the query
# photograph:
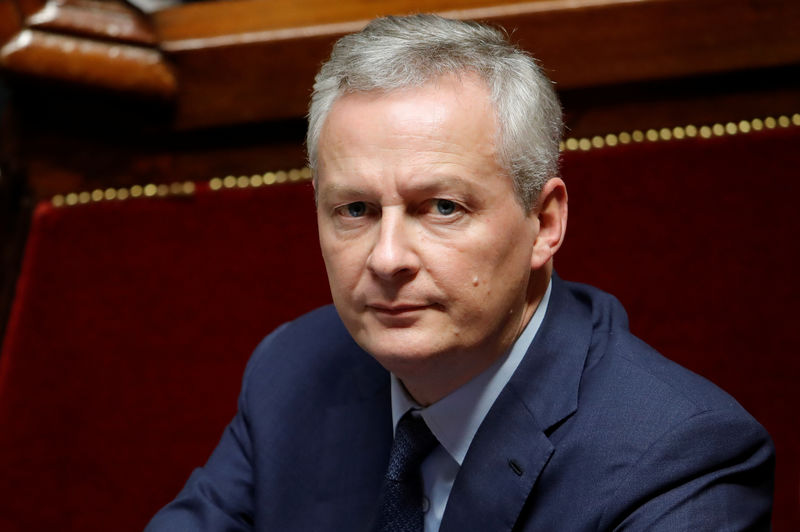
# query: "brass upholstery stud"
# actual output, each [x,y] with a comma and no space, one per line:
[744,126]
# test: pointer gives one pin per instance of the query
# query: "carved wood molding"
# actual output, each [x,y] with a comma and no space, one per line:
[97,19]
[104,45]
[99,64]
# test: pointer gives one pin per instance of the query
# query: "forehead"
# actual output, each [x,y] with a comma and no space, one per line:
[450,120]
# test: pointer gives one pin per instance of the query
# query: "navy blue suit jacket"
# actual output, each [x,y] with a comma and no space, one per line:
[607,434]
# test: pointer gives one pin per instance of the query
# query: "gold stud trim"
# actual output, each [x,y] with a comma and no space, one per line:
[690,131]
[188,188]
[259,180]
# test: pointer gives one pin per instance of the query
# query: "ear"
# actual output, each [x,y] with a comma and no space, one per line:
[551,213]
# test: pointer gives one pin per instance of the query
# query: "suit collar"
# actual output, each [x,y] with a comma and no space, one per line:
[548,379]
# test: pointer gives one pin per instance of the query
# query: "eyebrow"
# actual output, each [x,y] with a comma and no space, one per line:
[428,185]
[442,182]
[342,190]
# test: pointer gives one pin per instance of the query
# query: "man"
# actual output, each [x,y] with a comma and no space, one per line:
[434,145]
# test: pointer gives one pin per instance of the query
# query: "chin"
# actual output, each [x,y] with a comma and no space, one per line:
[401,351]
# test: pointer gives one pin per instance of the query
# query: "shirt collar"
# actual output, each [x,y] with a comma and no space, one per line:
[455,418]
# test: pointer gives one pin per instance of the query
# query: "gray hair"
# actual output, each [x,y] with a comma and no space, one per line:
[394,53]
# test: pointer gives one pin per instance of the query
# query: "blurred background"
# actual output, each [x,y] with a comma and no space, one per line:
[144,254]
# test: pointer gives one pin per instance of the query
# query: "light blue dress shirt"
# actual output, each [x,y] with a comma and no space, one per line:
[455,418]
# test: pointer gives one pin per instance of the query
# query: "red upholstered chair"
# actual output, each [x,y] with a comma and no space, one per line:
[132,324]
[134,318]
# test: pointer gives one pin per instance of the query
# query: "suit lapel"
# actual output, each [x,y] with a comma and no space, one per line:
[512,448]
[500,469]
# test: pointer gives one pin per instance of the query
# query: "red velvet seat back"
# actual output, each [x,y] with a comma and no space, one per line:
[133,319]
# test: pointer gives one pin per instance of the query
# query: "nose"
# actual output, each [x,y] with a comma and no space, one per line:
[393,254]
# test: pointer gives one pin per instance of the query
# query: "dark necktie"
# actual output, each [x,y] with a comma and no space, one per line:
[400,503]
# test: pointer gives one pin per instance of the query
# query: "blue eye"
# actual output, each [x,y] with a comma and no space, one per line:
[445,207]
[357,209]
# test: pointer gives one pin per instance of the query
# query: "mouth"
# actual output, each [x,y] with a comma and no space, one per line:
[397,309]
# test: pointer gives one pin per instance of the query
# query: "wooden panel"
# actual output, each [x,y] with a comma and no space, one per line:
[252,82]
[623,42]
[236,17]
[255,60]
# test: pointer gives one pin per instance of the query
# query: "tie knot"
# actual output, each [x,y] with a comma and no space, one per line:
[413,441]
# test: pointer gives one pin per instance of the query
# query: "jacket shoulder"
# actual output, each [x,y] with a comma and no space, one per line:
[656,440]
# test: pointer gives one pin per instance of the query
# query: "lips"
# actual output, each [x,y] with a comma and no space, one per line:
[398,309]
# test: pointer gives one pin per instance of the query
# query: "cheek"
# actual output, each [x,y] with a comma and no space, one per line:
[465,271]
[343,263]
[493,267]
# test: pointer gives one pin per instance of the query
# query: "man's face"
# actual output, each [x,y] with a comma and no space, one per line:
[427,249]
